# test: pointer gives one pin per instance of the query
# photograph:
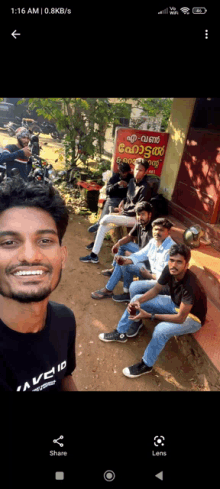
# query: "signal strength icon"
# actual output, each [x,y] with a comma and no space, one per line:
[185,10]
[164,11]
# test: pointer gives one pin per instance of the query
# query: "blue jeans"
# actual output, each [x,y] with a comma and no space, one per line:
[141,286]
[161,304]
[126,272]
[132,247]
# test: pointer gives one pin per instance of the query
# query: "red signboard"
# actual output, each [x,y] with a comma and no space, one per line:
[131,144]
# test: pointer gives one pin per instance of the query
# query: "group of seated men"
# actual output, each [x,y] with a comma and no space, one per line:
[167,291]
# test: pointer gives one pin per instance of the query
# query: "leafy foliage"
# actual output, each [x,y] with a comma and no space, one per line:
[154,107]
[84,122]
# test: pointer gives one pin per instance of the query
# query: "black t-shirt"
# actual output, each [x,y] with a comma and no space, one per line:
[113,188]
[137,192]
[143,233]
[38,361]
[188,290]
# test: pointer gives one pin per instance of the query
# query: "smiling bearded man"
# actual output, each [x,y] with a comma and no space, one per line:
[37,337]
[28,282]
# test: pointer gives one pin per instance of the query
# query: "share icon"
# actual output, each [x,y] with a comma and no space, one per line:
[57,441]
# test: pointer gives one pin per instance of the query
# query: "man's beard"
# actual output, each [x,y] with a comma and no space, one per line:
[21,143]
[144,223]
[27,298]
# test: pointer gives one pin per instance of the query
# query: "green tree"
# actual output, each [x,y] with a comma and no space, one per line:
[84,122]
[154,107]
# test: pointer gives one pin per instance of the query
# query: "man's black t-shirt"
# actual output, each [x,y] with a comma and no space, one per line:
[143,233]
[113,189]
[136,192]
[188,290]
[38,361]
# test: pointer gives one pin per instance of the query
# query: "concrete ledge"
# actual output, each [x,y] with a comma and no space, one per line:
[205,263]
[212,231]
[207,374]
[208,336]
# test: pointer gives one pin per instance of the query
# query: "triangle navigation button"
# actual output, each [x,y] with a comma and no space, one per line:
[159,475]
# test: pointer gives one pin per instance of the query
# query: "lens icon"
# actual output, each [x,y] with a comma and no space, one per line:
[159,441]
[109,475]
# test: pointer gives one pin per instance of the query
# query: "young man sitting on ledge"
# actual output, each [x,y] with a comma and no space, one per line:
[142,231]
[148,262]
[181,312]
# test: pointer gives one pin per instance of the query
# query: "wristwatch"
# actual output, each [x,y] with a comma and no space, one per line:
[152,316]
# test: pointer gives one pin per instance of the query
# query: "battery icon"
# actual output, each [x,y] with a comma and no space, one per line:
[199,10]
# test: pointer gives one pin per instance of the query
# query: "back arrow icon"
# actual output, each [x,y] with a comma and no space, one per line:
[14,34]
[159,476]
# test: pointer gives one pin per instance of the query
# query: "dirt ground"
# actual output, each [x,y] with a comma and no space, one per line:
[99,365]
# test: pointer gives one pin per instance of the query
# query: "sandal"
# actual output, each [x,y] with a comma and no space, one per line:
[101,293]
[107,273]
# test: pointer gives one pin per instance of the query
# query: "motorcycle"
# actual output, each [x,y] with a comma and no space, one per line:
[50,128]
[13,126]
[33,126]
[41,171]
[41,127]
[29,124]
[2,172]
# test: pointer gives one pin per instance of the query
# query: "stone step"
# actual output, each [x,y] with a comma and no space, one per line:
[205,263]
[208,336]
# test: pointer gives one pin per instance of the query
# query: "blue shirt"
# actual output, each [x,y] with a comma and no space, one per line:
[157,256]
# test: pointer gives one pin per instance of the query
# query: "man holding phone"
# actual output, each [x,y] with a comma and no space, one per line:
[37,336]
[18,155]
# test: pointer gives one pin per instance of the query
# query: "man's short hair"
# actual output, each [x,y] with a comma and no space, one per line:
[15,192]
[180,249]
[162,221]
[143,206]
[143,162]
[124,167]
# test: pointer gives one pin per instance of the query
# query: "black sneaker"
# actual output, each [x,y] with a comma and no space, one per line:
[121,297]
[113,336]
[137,370]
[90,246]
[92,258]
[134,329]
